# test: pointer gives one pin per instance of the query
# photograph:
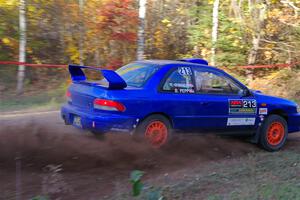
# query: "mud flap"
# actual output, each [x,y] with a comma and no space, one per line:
[65,120]
[255,138]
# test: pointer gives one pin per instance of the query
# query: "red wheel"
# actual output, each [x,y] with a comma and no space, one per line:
[156,133]
[155,129]
[273,133]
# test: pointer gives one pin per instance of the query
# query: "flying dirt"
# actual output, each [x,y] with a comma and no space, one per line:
[92,168]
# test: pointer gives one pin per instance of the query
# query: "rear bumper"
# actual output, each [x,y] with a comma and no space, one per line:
[103,122]
[294,122]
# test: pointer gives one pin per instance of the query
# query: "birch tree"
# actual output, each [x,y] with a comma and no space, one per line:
[257,11]
[214,33]
[141,30]
[22,45]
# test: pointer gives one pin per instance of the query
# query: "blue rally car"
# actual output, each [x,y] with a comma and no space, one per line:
[153,98]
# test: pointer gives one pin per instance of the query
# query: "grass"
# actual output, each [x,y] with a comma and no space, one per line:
[259,176]
[256,176]
[45,100]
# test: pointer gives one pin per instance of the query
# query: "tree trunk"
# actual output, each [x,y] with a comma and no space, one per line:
[258,16]
[253,52]
[252,56]
[214,34]
[97,57]
[22,46]
[141,30]
[236,8]
[81,32]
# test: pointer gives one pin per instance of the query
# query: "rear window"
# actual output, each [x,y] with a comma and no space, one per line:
[136,74]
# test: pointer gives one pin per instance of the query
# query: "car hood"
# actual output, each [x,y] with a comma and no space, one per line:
[275,101]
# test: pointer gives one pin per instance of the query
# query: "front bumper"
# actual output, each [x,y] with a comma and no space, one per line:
[294,122]
[100,122]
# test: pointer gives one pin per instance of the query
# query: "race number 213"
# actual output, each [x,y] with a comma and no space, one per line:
[249,103]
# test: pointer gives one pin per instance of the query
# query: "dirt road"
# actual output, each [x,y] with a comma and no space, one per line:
[92,168]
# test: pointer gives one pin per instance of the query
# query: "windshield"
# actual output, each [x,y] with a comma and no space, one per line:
[136,74]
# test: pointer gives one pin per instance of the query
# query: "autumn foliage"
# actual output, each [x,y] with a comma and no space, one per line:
[104,32]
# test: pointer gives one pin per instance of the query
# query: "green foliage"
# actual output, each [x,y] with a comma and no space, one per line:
[39,198]
[135,179]
[231,49]
[138,188]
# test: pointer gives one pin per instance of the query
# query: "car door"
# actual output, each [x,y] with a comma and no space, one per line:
[223,105]
[177,98]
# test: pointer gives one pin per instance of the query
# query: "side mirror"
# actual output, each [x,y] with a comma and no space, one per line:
[246,93]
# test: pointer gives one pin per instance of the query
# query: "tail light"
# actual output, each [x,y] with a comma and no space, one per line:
[103,104]
[68,95]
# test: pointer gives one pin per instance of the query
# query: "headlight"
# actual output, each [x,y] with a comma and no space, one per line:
[298,108]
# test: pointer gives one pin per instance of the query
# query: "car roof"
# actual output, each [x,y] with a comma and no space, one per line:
[162,63]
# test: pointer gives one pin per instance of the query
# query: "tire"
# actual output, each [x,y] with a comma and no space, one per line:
[273,133]
[156,129]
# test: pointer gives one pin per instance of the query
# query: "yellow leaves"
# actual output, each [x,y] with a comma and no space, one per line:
[268,55]
[101,18]
[10,42]
[181,11]
[210,2]
[74,53]
[232,31]
[275,13]
[205,53]
[275,1]
[8,3]
[6,41]
[31,8]
[166,22]
[207,32]
[271,29]
[236,43]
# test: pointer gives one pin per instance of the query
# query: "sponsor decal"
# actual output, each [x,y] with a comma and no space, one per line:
[236,103]
[240,121]
[185,71]
[181,85]
[238,106]
[263,111]
[184,90]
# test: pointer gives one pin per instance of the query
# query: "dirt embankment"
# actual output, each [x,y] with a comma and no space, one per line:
[92,168]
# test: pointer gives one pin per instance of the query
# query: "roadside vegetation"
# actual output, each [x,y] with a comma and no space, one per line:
[283,83]
[256,176]
[38,101]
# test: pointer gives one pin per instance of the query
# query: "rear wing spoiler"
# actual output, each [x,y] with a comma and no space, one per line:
[113,79]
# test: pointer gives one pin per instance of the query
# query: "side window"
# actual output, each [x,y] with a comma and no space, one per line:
[208,82]
[180,81]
